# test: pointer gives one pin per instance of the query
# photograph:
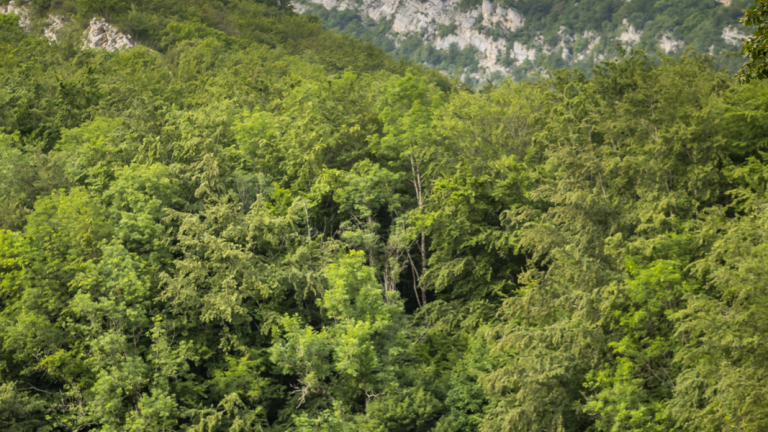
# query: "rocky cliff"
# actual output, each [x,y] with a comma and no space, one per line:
[101,34]
[428,18]
[98,35]
[513,37]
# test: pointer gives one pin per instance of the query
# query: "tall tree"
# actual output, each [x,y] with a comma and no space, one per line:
[755,45]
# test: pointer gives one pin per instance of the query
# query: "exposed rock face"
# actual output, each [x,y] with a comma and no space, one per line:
[594,40]
[630,36]
[732,35]
[492,30]
[99,33]
[52,27]
[668,44]
[102,35]
[426,18]
[430,18]
[21,11]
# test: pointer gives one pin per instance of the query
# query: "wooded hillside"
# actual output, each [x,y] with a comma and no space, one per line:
[257,225]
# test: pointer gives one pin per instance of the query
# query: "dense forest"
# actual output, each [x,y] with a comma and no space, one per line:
[249,223]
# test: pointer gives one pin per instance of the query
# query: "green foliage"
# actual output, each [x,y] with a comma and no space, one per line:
[356,356]
[20,411]
[445,30]
[756,46]
[413,411]
[719,330]
[577,315]
[262,226]
[104,8]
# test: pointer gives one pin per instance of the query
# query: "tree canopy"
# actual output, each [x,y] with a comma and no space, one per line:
[257,225]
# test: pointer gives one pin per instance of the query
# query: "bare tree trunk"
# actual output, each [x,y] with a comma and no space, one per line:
[415,274]
[309,228]
[417,183]
[371,258]
[423,268]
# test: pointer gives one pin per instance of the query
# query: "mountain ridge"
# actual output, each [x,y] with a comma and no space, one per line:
[511,38]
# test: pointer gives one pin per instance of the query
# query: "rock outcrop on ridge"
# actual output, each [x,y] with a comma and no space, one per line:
[495,32]
[98,35]
[426,18]
[21,11]
[101,35]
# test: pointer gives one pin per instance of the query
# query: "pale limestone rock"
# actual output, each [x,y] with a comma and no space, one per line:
[593,39]
[52,27]
[102,35]
[300,8]
[564,43]
[588,34]
[566,40]
[630,37]
[424,18]
[522,53]
[669,44]
[493,14]
[21,11]
[99,33]
[725,3]
[732,35]
[538,42]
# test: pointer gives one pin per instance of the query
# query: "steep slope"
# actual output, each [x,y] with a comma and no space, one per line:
[98,34]
[76,118]
[248,223]
[486,39]
[161,24]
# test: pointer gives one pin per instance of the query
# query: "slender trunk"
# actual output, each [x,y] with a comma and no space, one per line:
[423,269]
[415,274]
[371,259]
[309,228]
[417,183]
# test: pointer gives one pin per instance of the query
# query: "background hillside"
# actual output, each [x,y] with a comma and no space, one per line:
[159,25]
[486,40]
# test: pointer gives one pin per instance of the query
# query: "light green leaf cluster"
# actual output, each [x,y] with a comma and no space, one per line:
[358,354]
